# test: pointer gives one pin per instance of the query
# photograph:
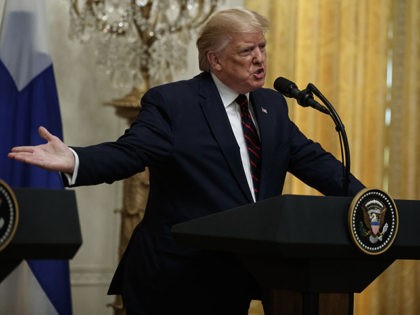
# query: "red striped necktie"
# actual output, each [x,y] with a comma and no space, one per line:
[252,141]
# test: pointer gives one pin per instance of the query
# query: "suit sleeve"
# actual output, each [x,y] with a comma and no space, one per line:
[147,142]
[317,167]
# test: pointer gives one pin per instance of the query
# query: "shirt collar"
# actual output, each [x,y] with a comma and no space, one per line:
[227,95]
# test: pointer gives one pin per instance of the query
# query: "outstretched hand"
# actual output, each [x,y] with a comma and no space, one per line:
[53,155]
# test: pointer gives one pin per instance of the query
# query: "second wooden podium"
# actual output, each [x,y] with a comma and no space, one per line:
[300,249]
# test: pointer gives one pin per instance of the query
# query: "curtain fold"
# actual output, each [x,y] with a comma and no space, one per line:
[364,56]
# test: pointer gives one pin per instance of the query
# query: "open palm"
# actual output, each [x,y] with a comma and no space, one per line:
[53,155]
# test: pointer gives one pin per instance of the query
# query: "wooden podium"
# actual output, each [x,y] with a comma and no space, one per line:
[299,248]
[48,228]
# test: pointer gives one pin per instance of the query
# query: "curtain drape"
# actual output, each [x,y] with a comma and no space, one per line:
[364,56]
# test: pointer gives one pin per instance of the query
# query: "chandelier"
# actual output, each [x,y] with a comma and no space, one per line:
[139,43]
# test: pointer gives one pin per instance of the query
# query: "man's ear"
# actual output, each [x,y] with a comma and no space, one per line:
[214,61]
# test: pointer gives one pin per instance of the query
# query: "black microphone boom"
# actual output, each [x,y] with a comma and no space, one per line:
[304,97]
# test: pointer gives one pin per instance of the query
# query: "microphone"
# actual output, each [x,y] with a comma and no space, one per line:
[304,97]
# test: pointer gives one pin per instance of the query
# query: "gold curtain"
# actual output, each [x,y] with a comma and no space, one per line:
[364,55]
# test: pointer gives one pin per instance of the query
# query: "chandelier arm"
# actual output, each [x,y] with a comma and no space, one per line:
[200,18]
[75,7]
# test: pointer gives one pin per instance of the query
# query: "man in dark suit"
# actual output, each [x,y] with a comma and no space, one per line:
[190,135]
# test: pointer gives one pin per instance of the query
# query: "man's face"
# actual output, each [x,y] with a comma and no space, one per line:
[241,64]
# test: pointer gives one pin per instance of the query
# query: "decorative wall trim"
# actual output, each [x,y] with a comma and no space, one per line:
[90,275]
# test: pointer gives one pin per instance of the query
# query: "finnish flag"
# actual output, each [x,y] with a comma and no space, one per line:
[28,99]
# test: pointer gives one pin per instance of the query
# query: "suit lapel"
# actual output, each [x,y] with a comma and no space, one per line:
[265,125]
[218,122]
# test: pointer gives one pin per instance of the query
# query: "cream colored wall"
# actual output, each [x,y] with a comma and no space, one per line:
[83,89]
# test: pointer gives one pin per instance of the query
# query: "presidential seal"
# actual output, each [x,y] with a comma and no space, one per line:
[9,215]
[373,221]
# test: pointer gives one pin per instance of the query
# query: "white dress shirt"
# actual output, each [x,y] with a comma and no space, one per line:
[234,114]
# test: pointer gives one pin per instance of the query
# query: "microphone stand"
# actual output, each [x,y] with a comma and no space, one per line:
[339,126]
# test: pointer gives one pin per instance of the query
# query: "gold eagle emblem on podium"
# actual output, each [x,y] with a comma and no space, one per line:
[373,221]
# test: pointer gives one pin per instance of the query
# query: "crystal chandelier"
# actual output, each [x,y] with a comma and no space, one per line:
[139,42]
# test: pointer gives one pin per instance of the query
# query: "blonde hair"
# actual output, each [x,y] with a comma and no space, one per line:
[220,27]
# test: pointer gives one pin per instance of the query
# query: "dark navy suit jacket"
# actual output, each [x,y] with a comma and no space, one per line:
[183,135]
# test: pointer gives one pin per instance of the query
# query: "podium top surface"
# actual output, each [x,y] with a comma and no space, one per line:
[295,226]
[48,226]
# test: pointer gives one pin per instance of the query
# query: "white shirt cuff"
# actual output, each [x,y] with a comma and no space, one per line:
[71,178]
